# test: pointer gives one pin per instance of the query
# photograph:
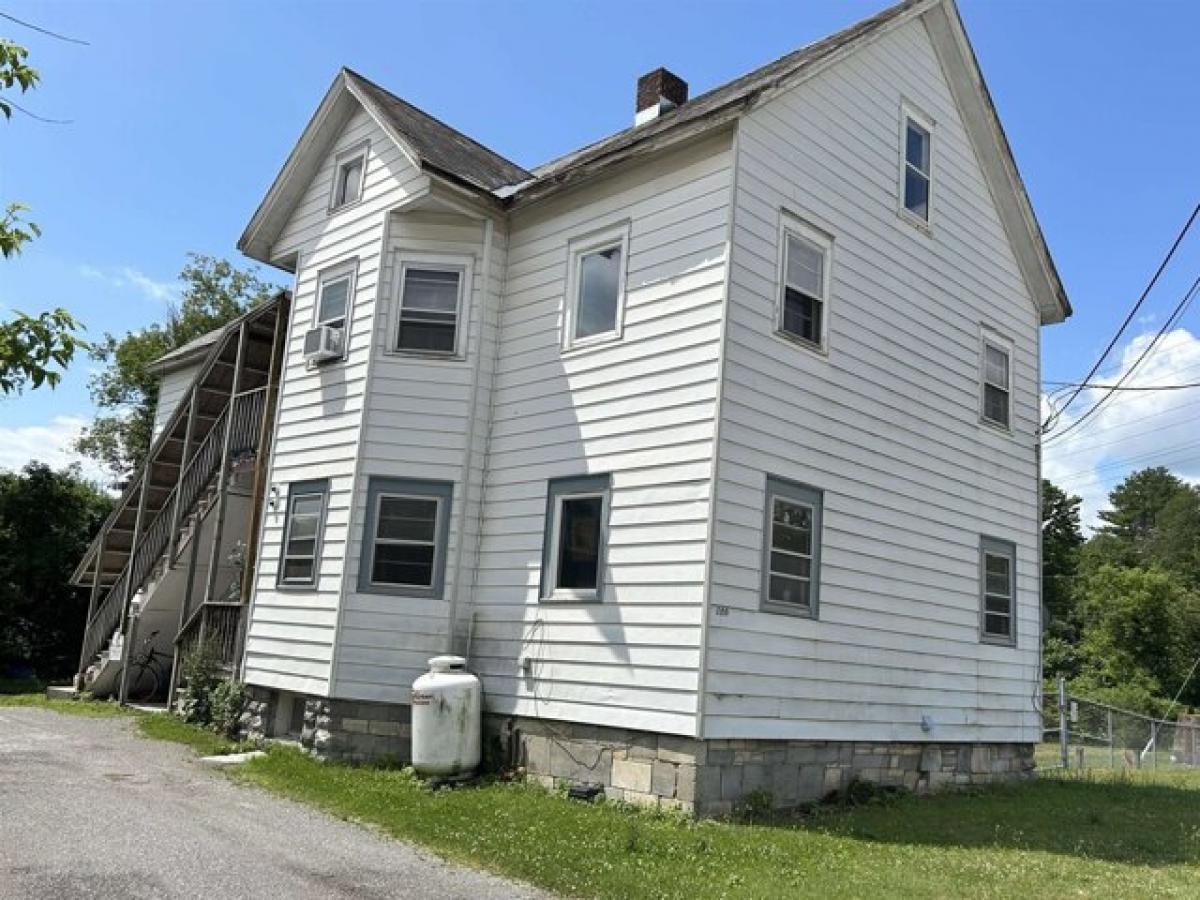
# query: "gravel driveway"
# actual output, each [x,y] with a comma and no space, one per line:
[89,809]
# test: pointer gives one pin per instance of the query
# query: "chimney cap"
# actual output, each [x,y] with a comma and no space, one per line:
[657,92]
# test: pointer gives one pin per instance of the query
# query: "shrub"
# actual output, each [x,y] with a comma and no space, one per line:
[226,703]
[201,671]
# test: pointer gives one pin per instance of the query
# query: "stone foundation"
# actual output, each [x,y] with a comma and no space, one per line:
[705,777]
[354,731]
[716,777]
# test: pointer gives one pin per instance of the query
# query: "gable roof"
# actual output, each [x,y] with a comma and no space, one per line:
[436,144]
[448,154]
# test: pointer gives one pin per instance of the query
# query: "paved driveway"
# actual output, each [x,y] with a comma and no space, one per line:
[89,809]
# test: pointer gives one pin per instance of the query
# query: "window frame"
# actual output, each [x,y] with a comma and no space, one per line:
[793,226]
[612,236]
[464,265]
[359,152]
[380,487]
[557,491]
[803,495]
[998,547]
[296,490]
[991,338]
[328,275]
[910,113]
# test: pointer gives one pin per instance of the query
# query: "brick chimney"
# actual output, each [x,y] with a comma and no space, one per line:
[657,92]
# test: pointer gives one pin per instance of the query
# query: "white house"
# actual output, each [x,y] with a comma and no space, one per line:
[713,446]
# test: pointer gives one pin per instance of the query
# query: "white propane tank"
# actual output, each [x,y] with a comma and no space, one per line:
[446,719]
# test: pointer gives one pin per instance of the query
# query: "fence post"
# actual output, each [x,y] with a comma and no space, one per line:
[1063,745]
[1112,754]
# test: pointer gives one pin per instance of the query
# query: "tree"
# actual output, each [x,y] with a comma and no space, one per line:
[1175,541]
[30,346]
[1061,542]
[1136,504]
[126,390]
[47,519]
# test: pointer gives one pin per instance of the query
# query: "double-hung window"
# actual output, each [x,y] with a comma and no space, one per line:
[791,548]
[998,577]
[916,165]
[574,548]
[334,289]
[349,169]
[404,544]
[431,301]
[301,551]
[596,287]
[996,381]
[804,298]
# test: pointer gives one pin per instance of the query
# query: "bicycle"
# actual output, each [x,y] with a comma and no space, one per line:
[148,672]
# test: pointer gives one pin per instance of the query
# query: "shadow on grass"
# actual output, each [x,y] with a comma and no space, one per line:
[1139,820]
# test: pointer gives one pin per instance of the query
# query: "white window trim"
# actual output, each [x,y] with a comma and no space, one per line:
[1007,550]
[989,337]
[577,248]
[910,112]
[330,274]
[791,225]
[376,540]
[343,159]
[576,595]
[445,262]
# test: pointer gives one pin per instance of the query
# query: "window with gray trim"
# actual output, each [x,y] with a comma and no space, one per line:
[916,173]
[996,382]
[301,550]
[791,548]
[575,540]
[351,166]
[998,589]
[404,541]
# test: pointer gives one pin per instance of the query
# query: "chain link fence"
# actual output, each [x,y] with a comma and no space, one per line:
[1080,734]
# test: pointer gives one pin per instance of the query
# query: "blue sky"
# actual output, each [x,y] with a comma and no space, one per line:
[181,114]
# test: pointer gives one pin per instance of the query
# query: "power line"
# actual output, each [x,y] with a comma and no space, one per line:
[46,31]
[1131,460]
[7,101]
[1118,387]
[1176,314]
[1128,318]
[1080,448]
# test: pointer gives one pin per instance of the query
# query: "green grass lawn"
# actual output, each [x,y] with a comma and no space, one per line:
[1061,836]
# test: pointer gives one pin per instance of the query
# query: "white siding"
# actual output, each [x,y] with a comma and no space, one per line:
[291,635]
[642,409]
[171,391]
[886,425]
[419,414]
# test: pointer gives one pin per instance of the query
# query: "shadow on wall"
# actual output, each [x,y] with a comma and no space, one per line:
[1122,820]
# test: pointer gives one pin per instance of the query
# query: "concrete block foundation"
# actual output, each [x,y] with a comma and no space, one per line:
[704,777]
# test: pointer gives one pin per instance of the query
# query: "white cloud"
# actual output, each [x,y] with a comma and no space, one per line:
[50,444]
[1134,429]
[129,278]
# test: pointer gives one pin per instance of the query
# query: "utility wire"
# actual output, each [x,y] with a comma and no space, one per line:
[19,108]
[1176,314]
[46,31]
[1128,318]
[1129,387]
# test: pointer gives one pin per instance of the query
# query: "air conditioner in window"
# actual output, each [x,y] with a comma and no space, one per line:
[322,343]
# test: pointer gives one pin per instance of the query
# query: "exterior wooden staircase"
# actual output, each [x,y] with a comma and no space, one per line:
[223,422]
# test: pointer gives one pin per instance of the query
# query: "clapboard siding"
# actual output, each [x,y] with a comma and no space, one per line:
[641,409]
[419,425]
[886,425]
[171,391]
[291,636]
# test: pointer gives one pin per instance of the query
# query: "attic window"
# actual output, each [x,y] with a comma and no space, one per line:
[916,165]
[348,177]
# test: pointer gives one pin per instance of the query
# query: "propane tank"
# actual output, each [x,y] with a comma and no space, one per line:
[446,719]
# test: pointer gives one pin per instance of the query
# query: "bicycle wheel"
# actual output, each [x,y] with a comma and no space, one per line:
[143,683]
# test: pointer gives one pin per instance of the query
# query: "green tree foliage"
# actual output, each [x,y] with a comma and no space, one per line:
[47,519]
[126,389]
[1061,543]
[1131,594]
[1136,504]
[32,348]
